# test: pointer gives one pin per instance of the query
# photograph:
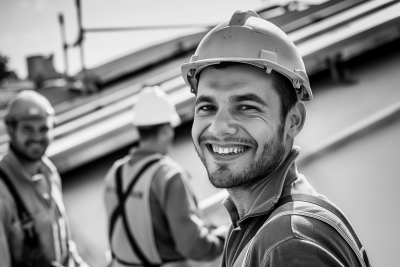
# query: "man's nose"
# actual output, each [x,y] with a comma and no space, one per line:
[223,124]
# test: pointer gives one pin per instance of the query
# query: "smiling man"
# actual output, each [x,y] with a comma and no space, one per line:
[243,141]
[250,83]
[33,223]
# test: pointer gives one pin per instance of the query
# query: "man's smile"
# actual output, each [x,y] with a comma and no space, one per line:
[35,144]
[227,149]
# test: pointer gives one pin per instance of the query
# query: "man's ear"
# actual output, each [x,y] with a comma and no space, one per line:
[296,119]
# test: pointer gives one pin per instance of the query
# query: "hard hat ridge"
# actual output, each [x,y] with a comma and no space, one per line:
[249,39]
[240,17]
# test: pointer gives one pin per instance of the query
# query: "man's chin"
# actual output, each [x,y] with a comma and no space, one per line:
[224,179]
[34,156]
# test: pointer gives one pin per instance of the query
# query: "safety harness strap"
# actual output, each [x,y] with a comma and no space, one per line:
[326,205]
[245,246]
[30,236]
[22,211]
[120,211]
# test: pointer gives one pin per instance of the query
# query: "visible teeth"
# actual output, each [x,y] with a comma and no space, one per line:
[230,150]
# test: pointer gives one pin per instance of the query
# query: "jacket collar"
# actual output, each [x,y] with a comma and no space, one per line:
[271,190]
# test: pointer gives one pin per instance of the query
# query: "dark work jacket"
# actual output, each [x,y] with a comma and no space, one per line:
[289,240]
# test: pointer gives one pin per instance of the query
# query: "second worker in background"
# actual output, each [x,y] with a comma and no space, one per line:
[152,212]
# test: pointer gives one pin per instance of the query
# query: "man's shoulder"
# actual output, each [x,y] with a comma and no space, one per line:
[7,202]
[4,188]
[51,167]
[296,235]
[169,174]
[169,169]
[5,194]
[109,178]
[295,226]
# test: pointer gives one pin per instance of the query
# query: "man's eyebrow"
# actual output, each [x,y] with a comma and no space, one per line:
[247,97]
[204,98]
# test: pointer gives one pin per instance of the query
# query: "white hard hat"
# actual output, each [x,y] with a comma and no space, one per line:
[28,104]
[249,39]
[154,107]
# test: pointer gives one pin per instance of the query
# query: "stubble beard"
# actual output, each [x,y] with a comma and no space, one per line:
[20,151]
[270,159]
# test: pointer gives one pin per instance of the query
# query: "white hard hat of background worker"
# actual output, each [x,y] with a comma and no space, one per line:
[153,108]
[29,119]
[249,39]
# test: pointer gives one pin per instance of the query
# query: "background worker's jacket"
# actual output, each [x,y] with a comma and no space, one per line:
[288,240]
[43,200]
[177,228]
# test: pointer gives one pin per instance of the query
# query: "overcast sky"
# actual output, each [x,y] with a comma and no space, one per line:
[30,27]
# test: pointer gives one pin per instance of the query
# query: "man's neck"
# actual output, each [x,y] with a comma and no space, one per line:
[32,168]
[244,197]
[154,146]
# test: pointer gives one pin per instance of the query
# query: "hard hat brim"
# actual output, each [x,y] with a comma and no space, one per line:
[199,65]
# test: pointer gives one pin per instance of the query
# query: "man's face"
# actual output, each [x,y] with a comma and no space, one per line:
[237,129]
[31,137]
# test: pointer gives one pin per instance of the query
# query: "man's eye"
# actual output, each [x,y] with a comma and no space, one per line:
[206,108]
[247,107]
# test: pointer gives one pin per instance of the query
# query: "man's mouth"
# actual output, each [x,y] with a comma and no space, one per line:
[232,150]
[35,144]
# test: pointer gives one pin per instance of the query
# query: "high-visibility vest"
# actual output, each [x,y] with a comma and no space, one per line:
[313,207]
[136,246]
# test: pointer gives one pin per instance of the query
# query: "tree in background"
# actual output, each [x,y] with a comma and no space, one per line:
[4,71]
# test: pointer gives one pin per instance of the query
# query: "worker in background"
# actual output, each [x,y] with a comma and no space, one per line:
[152,211]
[250,83]
[33,224]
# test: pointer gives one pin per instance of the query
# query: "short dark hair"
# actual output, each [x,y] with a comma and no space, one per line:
[150,132]
[281,83]
[286,91]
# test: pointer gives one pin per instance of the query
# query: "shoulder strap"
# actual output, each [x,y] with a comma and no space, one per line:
[30,236]
[22,211]
[313,200]
[120,211]
[326,205]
